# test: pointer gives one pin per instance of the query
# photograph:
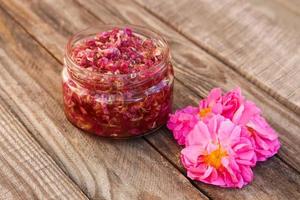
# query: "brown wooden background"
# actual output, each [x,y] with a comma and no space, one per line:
[254,44]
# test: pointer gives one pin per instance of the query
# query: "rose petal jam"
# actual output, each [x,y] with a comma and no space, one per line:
[117,81]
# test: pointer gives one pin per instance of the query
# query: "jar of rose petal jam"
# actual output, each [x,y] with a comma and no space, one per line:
[117,81]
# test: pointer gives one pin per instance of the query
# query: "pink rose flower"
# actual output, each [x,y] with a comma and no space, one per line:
[263,137]
[231,102]
[245,113]
[211,105]
[226,105]
[216,153]
[182,122]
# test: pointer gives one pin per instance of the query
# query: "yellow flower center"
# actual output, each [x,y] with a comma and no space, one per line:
[204,112]
[215,157]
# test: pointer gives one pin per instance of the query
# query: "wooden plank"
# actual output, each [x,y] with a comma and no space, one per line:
[27,171]
[194,65]
[261,46]
[273,180]
[131,13]
[212,73]
[103,169]
[292,5]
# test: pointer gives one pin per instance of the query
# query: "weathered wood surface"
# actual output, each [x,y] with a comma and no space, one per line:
[210,72]
[291,5]
[27,171]
[103,169]
[259,43]
[37,32]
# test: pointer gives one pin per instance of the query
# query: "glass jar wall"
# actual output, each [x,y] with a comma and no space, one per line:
[118,105]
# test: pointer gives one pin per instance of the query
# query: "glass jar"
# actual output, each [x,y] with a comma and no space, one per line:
[118,105]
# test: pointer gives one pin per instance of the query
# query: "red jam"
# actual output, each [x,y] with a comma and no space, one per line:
[117,82]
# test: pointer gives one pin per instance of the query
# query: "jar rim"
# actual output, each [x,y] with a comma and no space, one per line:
[149,33]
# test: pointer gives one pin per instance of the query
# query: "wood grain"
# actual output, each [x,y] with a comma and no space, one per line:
[262,47]
[292,5]
[194,66]
[211,73]
[260,189]
[27,171]
[273,180]
[104,169]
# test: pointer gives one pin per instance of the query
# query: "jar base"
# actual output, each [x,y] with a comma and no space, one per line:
[117,137]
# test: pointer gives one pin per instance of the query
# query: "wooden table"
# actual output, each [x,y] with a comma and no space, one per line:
[253,44]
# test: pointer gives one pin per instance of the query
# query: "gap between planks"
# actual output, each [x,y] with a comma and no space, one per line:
[177,167]
[18,118]
[35,169]
[181,82]
[275,95]
[61,62]
[41,146]
[147,140]
[144,138]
